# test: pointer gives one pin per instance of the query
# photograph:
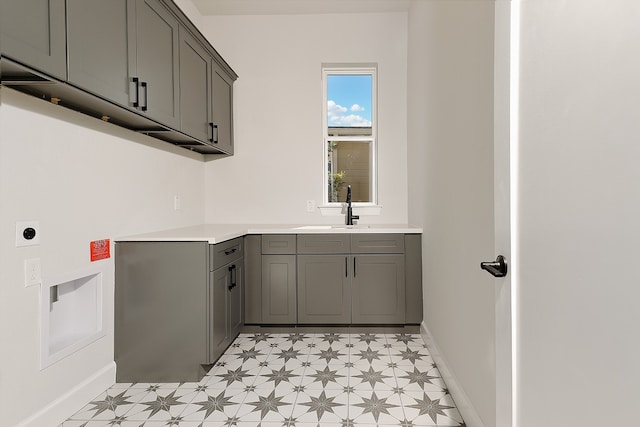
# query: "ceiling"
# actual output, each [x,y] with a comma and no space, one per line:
[298,7]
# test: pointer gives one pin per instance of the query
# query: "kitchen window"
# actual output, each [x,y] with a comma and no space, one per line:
[349,127]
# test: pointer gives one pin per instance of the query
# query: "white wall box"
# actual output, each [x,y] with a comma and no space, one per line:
[71,314]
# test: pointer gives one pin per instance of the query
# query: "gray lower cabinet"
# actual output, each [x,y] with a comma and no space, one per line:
[161,311]
[225,318]
[378,287]
[324,289]
[278,289]
[363,284]
[33,34]
[278,279]
[178,305]
[359,278]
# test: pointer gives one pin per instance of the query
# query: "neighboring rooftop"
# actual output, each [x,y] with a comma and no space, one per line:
[298,7]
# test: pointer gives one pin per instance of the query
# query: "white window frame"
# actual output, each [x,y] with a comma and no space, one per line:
[335,208]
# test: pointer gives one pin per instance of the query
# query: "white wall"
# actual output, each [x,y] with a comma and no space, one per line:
[83,180]
[278,116]
[578,347]
[450,163]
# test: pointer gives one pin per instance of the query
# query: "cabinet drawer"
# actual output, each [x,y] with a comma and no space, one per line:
[324,244]
[225,252]
[277,244]
[377,243]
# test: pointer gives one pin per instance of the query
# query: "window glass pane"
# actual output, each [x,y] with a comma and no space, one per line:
[349,163]
[349,128]
[349,102]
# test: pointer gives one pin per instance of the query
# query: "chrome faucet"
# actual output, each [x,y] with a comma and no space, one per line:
[350,215]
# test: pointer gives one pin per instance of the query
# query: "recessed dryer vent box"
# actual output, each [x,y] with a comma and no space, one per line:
[72,314]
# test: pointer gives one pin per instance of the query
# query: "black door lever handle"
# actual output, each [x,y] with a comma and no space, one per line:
[497,268]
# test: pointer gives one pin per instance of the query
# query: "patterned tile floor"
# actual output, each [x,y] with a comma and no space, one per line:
[297,380]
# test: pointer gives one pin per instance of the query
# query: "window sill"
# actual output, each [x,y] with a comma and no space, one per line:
[339,209]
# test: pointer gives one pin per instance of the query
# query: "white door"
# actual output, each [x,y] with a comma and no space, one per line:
[505,124]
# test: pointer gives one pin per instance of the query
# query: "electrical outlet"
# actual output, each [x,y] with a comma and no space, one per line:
[27,233]
[311,205]
[32,273]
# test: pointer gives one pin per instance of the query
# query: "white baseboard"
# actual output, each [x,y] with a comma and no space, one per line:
[463,403]
[69,403]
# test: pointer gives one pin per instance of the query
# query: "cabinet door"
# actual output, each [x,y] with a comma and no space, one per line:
[33,33]
[378,289]
[218,309]
[235,295]
[222,89]
[252,283]
[98,52]
[324,291]
[279,289]
[195,88]
[157,62]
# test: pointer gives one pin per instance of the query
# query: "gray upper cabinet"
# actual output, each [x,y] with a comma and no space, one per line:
[32,32]
[140,64]
[155,72]
[222,116]
[98,52]
[195,88]
[127,52]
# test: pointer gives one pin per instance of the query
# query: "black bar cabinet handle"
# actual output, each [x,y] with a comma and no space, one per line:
[136,103]
[146,95]
[346,267]
[214,133]
[230,251]
[354,266]
[232,271]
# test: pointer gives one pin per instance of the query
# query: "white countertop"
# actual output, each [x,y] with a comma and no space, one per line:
[216,233]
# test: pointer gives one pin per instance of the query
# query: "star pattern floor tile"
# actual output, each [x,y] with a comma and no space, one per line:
[292,380]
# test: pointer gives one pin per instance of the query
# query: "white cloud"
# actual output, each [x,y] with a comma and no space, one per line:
[354,120]
[337,117]
[334,108]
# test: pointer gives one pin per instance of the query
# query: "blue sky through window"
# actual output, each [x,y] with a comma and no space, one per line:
[349,100]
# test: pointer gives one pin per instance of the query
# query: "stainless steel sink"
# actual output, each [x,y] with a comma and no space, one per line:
[329,227]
